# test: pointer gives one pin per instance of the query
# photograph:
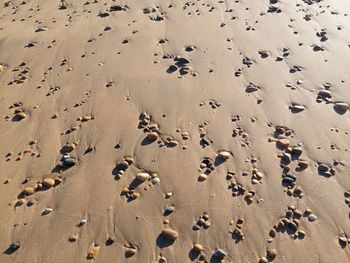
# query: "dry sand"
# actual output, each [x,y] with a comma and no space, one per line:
[159,131]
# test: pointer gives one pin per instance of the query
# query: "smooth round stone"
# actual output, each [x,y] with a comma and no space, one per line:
[152,136]
[130,251]
[49,182]
[297,108]
[224,155]
[312,217]
[283,142]
[169,210]
[155,180]
[29,190]
[271,253]
[202,177]
[272,232]
[170,234]
[287,180]
[198,247]
[341,107]
[123,165]
[323,167]
[142,176]
[69,162]
[219,253]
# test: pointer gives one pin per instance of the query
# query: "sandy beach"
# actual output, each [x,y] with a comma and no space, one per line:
[175,131]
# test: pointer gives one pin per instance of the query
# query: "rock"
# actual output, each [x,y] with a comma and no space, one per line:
[142,176]
[73,238]
[297,150]
[343,240]
[69,162]
[224,155]
[152,136]
[341,107]
[21,115]
[301,234]
[263,260]
[283,142]
[323,167]
[68,147]
[93,252]
[170,234]
[41,29]
[198,247]
[172,68]
[155,181]
[82,222]
[28,190]
[251,88]
[312,217]
[287,180]
[272,232]
[123,165]
[271,254]
[202,177]
[15,246]
[47,211]
[219,253]
[297,108]
[130,251]
[49,182]
[169,210]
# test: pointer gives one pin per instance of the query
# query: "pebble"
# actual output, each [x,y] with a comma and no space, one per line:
[152,136]
[82,222]
[142,176]
[341,107]
[202,177]
[47,211]
[198,247]
[170,233]
[169,210]
[69,162]
[312,217]
[29,190]
[73,238]
[49,182]
[297,108]
[263,260]
[283,142]
[271,254]
[224,155]
[123,165]
[155,181]
[130,251]
[93,252]
[219,253]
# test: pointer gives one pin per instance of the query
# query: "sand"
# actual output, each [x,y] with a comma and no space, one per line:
[159,131]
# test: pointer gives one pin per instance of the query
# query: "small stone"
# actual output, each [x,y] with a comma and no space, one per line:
[170,234]
[169,210]
[312,217]
[73,238]
[123,165]
[21,115]
[82,222]
[69,161]
[202,177]
[198,247]
[263,260]
[49,182]
[155,181]
[224,155]
[130,251]
[152,136]
[271,254]
[93,252]
[343,240]
[297,108]
[301,234]
[272,232]
[68,147]
[283,142]
[219,253]
[142,176]
[47,211]
[28,190]
[341,107]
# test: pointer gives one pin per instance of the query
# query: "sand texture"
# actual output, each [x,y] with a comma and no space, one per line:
[174,131]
